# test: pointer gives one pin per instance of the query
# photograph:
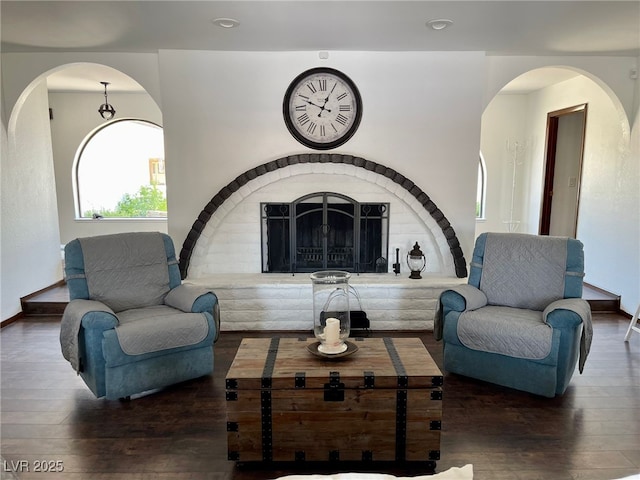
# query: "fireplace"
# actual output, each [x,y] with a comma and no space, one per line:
[322,231]
[225,249]
[228,236]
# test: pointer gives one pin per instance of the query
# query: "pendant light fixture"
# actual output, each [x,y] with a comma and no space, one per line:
[106,110]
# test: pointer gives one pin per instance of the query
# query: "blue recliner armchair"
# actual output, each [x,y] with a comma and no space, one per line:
[520,321]
[131,325]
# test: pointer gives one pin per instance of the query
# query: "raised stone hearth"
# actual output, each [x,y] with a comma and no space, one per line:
[224,250]
[283,301]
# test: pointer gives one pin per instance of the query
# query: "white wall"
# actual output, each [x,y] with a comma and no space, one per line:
[75,115]
[609,209]
[4,162]
[231,241]
[222,116]
[609,193]
[503,121]
[228,119]
[30,251]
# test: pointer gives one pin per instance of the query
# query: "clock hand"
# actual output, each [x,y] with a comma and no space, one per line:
[329,94]
[327,99]
[306,100]
[311,103]
[321,107]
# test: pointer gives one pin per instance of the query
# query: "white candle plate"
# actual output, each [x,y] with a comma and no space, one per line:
[350,350]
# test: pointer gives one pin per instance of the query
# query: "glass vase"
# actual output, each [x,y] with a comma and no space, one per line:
[331,315]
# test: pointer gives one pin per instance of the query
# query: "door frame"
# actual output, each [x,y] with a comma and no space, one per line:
[551,144]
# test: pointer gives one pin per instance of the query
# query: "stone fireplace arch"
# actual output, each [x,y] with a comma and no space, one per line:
[393,176]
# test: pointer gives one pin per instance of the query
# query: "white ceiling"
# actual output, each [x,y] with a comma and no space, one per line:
[502,27]
[87,77]
[537,79]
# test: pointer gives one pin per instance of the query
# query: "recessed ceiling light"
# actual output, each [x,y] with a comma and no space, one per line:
[225,22]
[439,24]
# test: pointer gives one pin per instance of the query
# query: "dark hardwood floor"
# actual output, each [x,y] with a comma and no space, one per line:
[48,415]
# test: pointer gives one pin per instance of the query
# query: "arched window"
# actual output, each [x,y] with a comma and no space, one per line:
[481,189]
[120,171]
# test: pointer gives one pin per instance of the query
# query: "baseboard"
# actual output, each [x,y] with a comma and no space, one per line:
[59,283]
[9,321]
[20,315]
[602,291]
[601,301]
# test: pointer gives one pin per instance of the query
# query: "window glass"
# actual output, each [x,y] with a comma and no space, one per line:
[120,172]
[481,188]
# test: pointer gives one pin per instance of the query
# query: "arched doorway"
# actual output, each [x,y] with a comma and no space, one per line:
[75,93]
[514,143]
[38,213]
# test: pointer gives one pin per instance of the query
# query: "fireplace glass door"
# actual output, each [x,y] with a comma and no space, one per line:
[324,231]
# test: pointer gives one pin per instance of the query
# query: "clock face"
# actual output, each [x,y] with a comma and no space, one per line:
[322,108]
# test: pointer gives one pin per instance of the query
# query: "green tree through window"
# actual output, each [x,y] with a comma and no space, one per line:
[147,202]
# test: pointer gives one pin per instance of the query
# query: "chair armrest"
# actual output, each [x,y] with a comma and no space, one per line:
[196,299]
[207,302]
[191,298]
[463,297]
[98,320]
[451,300]
[457,299]
[92,314]
[80,314]
[96,315]
[567,313]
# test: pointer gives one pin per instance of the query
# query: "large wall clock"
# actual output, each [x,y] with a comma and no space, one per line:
[322,108]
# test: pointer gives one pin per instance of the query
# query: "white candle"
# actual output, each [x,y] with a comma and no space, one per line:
[332,332]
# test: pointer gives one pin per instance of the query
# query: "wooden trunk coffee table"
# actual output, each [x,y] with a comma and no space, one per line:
[382,403]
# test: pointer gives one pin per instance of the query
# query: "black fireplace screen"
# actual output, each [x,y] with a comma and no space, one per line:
[325,231]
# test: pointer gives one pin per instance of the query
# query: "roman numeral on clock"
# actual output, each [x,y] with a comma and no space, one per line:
[342,95]
[311,128]
[312,88]
[322,83]
[341,119]
[303,119]
[345,108]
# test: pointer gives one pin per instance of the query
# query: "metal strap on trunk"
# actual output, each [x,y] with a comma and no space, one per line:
[265,400]
[401,399]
